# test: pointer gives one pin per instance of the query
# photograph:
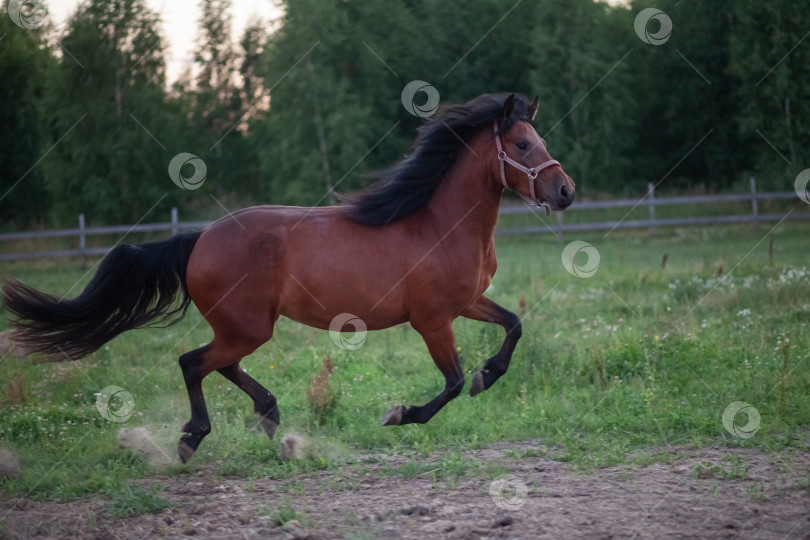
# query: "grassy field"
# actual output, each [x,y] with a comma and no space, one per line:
[611,368]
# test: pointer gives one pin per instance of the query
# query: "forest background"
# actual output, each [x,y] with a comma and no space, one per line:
[303,106]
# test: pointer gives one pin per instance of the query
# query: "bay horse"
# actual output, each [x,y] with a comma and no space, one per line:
[417,246]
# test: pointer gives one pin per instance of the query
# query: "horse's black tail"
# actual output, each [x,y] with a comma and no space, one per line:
[134,285]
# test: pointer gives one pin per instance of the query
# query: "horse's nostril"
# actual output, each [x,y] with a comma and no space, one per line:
[564,191]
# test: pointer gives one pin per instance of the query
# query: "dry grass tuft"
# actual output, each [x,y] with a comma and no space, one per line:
[322,396]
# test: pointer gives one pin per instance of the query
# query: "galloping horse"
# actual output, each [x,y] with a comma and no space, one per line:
[418,246]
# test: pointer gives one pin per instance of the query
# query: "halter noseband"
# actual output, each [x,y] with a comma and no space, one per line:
[530,172]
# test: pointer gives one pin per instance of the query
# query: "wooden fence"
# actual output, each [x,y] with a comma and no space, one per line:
[650,201]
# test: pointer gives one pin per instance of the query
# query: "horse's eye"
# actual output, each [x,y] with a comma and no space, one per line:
[522,145]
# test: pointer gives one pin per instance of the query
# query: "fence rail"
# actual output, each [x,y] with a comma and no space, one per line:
[650,201]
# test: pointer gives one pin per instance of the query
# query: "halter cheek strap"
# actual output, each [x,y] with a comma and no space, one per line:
[530,172]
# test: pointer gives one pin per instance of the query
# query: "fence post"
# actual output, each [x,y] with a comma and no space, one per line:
[82,242]
[175,226]
[559,227]
[754,204]
[651,205]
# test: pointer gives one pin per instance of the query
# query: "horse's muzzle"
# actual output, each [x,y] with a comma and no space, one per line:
[562,191]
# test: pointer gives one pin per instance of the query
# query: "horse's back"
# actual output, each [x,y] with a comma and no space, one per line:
[308,264]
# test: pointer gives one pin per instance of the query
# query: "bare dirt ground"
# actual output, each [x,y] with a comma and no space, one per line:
[677,499]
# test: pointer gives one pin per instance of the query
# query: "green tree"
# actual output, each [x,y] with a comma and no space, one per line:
[217,103]
[770,56]
[336,71]
[107,119]
[221,94]
[687,104]
[25,62]
[317,126]
[582,69]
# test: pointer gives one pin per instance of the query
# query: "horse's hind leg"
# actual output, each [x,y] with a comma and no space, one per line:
[192,363]
[264,403]
[196,364]
[486,310]
[442,346]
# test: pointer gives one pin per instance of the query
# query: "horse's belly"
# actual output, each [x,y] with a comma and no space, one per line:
[326,298]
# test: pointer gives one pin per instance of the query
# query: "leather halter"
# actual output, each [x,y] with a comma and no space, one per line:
[531,172]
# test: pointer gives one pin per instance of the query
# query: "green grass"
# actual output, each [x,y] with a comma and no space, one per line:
[730,468]
[613,366]
[286,512]
[135,501]
[449,468]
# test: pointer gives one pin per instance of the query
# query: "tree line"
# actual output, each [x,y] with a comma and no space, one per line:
[691,95]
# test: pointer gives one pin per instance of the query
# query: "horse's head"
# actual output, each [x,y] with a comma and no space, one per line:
[524,163]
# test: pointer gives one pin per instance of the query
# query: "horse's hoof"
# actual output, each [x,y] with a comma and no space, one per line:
[394,416]
[185,451]
[269,426]
[477,385]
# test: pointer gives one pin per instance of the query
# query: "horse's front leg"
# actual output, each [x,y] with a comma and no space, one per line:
[442,346]
[486,310]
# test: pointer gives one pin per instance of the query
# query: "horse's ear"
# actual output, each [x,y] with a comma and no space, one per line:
[508,109]
[533,108]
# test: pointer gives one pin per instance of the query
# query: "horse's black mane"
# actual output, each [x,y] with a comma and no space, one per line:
[408,185]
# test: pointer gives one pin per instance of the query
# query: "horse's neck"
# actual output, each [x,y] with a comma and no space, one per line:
[467,199]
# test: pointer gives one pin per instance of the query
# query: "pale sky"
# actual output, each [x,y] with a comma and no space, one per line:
[179,24]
